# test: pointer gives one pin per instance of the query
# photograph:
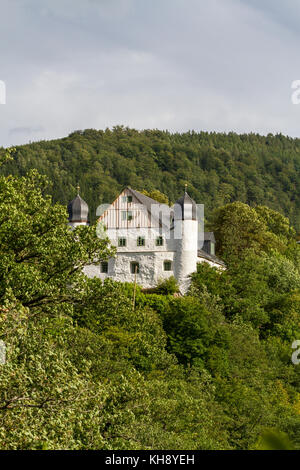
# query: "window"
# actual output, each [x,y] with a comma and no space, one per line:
[167,265]
[209,247]
[159,241]
[140,241]
[122,242]
[206,246]
[129,199]
[126,215]
[126,199]
[104,267]
[134,267]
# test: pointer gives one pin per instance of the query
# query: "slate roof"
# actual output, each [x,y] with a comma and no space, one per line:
[209,236]
[213,258]
[145,200]
[186,200]
[78,210]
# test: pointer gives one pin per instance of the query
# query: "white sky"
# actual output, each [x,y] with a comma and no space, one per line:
[216,65]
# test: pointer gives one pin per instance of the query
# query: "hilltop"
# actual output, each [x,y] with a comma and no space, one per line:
[219,168]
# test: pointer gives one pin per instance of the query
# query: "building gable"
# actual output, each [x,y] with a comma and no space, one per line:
[131,209]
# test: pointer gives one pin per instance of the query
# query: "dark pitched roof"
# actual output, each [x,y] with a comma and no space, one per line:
[185,202]
[144,200]
[78,210]
[209,236]
[213,258]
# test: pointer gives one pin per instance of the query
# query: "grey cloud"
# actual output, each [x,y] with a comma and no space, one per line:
[25,130]
[218,65]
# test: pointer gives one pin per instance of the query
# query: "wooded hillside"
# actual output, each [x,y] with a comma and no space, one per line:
[219,168]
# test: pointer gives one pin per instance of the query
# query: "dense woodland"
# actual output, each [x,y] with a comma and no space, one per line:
[219,168]
[88,368]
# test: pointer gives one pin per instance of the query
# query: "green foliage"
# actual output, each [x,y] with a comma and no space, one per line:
[241,229]
[220,168]
[87,369]
[157,196]
[40,256]
[274,440]
[165,287]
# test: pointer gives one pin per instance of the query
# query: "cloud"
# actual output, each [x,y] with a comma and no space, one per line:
[219,65]
[25,130]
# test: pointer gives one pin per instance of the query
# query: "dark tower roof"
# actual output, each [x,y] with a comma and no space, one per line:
[185,208]
[78,210]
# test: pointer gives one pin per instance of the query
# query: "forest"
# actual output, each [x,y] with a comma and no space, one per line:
[218,168]
[88,368]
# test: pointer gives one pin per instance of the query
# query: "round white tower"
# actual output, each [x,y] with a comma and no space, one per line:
[186,240]
[78,211]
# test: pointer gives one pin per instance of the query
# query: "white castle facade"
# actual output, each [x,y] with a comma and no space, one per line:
[153,241]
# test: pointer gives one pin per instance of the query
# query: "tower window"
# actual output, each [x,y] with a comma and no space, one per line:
[159,241]
[134,267]
[122,242]
[104,267]
[140,241]
[167,265]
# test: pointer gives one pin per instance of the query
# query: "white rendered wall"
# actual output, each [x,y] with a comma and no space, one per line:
[150,257]
[151,267]
[186,232]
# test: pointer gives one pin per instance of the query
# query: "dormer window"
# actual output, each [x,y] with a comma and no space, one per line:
[209,247]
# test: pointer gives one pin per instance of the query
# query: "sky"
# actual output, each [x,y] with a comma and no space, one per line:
[212,65]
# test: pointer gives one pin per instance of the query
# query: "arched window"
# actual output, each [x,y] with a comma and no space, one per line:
[167,265]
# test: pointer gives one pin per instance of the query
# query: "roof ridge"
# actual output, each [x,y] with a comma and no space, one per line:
[147,202]
[140,195]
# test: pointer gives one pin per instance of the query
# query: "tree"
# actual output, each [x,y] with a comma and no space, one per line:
[40,256]
[240,229]
[157,196]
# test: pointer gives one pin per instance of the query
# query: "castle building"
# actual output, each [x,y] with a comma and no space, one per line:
[153,241]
